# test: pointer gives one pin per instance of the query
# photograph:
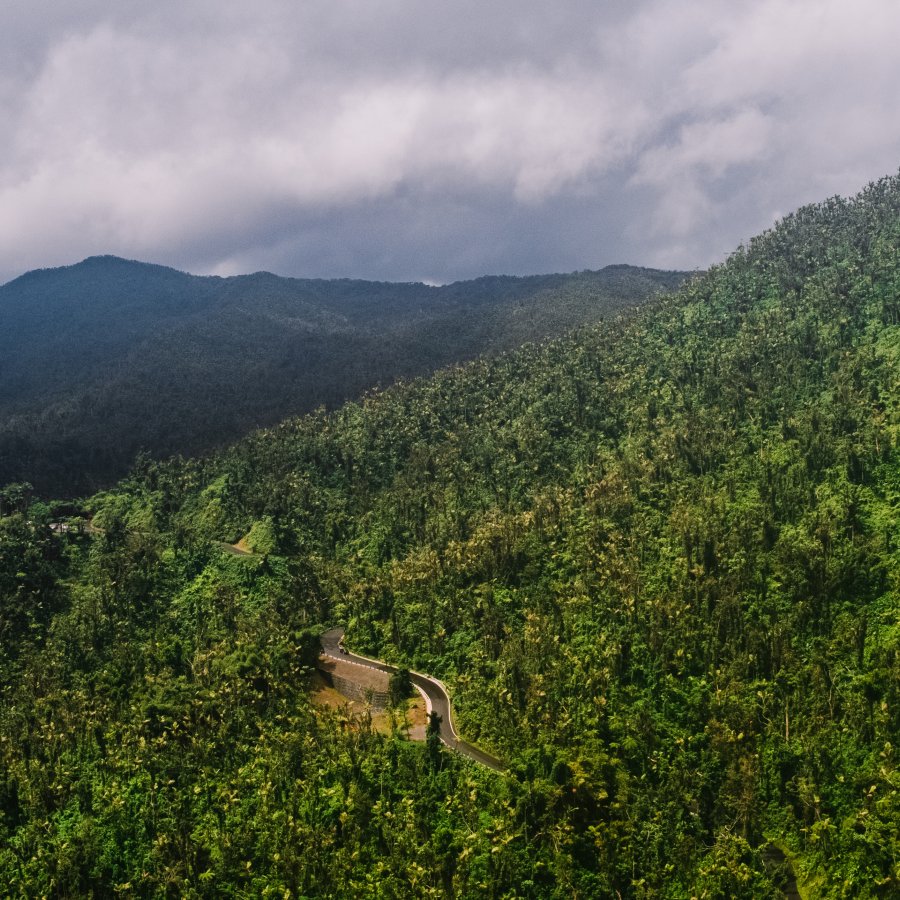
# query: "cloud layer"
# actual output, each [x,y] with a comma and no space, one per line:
[415,140]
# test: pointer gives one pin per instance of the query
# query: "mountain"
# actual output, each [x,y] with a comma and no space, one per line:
[108,358]
[655,562]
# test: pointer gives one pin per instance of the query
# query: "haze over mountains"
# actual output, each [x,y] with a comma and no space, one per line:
[107,358]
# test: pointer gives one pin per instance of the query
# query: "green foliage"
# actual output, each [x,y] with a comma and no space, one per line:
[656,563]
[261,538]
[32,563]
[15,498]
[401,686]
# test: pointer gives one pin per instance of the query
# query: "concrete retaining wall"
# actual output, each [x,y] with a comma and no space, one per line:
[378,700]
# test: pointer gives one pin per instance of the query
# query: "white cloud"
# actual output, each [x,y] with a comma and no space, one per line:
[515,136]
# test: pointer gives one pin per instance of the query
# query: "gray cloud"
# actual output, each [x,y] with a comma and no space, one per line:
[430,140]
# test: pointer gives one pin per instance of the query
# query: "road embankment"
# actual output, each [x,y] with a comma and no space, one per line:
[431,688]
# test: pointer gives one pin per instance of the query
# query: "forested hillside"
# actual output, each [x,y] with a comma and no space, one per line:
[655,562]
[109,358]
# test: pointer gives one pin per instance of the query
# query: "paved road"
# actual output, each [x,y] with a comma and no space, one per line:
[436,693]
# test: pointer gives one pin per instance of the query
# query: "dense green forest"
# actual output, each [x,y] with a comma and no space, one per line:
[655,561]
[108,359]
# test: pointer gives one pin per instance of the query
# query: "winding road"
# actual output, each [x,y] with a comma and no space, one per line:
[435,693]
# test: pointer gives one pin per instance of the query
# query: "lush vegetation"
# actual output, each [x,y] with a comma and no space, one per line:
[108,359]
[655,561]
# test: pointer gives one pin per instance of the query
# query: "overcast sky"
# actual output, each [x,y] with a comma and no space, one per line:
[420,140]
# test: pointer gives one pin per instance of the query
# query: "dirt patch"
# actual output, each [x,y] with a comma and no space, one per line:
[233,549]
[416,717]
[411,719]
[324,695]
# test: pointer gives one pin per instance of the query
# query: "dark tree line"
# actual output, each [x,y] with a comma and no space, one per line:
[108,359]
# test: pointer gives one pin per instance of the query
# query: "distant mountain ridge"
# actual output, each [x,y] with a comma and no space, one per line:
[109,357]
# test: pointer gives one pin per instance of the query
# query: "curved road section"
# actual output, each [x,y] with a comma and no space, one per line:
[434,691]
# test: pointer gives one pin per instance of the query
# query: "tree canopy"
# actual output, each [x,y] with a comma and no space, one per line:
[655,562]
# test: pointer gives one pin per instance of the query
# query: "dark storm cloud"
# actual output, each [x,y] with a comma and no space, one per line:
[431,140]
